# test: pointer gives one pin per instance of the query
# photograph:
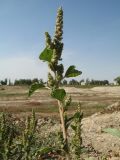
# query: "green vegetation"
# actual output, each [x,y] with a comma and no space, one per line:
[52,55]
[77,137]
[86,83]
[20,144]
[27,81]
[112,131]
[117,80]
[3,82]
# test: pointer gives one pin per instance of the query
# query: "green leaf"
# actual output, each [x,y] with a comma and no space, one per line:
[68,121]
[46,55]
[43,151]
[112,131]
[74,127]
[78,115]
[72,72]
[58,94]
[34,87]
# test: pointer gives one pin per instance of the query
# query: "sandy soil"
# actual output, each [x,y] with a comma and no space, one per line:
[93,132]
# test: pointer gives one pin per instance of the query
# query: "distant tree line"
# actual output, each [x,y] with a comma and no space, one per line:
[27,81]
[19,82]
[86,82]
[72,82]
[97,82]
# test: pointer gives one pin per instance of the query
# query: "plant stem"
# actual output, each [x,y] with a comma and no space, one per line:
[61,111]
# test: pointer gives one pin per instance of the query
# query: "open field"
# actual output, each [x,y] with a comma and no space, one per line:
[15,99]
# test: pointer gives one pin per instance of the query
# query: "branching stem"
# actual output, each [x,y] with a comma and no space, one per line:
[61,111]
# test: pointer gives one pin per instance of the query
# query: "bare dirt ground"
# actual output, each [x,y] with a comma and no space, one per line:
[102,142]
[16,100]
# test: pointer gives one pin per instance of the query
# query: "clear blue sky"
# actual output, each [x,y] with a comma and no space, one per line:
[91,36]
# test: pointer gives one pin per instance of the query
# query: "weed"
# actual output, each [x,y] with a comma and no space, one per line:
[52,55]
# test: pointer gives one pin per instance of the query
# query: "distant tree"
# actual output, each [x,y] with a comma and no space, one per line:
[87,81]
[41,81]
[9,83]
[27,81]
[117,80]
[96,82]
[92,82]
[106,82]
[23,82]
[73,82]
[99,82]
[4,82]
[64,82]
[35,80]
[16,82]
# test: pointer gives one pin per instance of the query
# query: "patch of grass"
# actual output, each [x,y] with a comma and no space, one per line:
[81,86]
[37,108]
[88,110]
[4,94]
[53,109]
